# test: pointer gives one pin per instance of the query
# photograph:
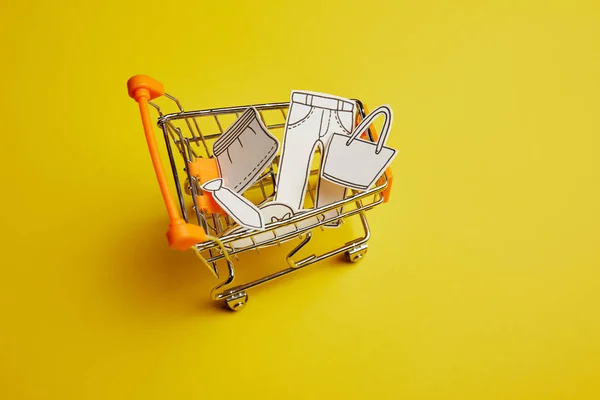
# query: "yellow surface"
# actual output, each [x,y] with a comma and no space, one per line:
[483,274]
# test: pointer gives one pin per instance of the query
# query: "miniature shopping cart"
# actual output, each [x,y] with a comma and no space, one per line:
[215,237]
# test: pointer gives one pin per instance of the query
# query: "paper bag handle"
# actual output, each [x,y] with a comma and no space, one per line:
[387,112]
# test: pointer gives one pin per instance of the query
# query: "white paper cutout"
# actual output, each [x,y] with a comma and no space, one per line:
[272,212]
[244,150]
[238,207]
[312,120]
[357,163]
[276,212]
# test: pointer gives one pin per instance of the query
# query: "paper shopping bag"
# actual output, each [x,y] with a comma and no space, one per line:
[357,163]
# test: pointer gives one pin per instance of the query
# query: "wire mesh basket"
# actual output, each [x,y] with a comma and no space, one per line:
[189,137]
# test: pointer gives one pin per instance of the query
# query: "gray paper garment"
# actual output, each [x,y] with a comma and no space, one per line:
[244,150]
[271,212]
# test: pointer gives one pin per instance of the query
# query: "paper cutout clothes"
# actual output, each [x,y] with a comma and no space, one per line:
[244,150]
[239,208]
[357,163]
[313,119]
[272,212]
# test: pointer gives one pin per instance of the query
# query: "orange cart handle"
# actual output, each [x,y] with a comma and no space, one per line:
[181,235]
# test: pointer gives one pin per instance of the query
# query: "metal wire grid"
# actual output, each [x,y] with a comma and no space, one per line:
[192,134]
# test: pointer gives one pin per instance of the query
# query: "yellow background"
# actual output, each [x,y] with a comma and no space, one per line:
[482,279]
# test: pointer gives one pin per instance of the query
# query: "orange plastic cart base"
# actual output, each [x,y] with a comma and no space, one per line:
[182,235]
[206,169]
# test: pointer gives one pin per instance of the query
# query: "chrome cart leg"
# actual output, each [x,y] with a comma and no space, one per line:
[230,278]
[237,301]
[304,242]
[358,248]
[357,253]
[236,297]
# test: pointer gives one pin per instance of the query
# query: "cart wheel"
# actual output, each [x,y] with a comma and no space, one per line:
[237,301]
[356,254]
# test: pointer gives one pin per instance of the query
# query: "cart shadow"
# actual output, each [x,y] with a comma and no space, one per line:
[253,265]
[157,280]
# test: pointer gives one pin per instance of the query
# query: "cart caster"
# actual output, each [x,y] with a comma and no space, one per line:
[356,254]
[237,301]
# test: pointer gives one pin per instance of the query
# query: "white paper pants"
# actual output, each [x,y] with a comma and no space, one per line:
[313,118]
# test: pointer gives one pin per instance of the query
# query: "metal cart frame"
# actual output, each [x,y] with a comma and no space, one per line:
[214,236]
